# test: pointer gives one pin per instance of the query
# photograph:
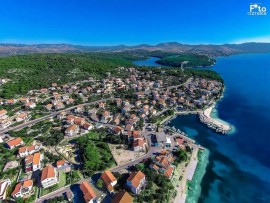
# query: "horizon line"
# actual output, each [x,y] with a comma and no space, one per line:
[123,44]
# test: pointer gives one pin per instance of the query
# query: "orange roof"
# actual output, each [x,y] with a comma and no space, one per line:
[117,129]
[72,127]
[108,178]
[164,161]
[17,189]
[47,172]
[87,190]
[60,162]
[29,159]
[122,197]
[31,148]
[135,178]
[3,112]
[27,183]
[22,149]
[87,125]
[78,120]
[36,158]
[169,172]
[11,101]
[14,142]
[22,115]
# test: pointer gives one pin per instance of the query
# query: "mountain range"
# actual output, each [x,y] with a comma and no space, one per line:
[172,47]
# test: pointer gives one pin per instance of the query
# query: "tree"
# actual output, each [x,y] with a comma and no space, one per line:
[139,167]
[99,183]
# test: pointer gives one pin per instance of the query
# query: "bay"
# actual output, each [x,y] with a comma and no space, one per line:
[239,163]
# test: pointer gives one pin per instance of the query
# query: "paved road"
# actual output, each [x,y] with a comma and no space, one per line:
[32,122]
[54,194]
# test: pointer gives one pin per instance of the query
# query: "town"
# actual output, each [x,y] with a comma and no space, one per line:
[103,140]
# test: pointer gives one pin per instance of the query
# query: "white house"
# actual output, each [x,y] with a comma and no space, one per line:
[136,181]
[88,193]
[49,176]
[109,180]
[72,130]
[22,189]
[25,151]
[4,184]
[15,143]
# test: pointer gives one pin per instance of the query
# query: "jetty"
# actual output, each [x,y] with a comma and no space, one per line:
[213,123]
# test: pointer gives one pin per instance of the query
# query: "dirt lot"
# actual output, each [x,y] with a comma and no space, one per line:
[122,155]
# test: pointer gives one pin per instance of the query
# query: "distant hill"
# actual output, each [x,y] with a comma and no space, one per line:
[172,47]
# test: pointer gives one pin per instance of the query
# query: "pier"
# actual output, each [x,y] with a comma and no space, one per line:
[215,124]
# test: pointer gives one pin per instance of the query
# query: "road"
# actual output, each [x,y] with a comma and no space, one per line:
[54,194]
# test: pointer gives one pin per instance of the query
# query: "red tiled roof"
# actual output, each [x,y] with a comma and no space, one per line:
[108,178]
[87,190]
[27,183]
[169,172]
[3,112]
[36,158]
[14,142]
[122,197]
[60,163]
[17,189]
[136,178]
[47,172]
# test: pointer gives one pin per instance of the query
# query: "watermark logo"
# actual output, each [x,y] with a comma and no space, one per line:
[257,9]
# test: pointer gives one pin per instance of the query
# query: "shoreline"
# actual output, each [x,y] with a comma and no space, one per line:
[194,186]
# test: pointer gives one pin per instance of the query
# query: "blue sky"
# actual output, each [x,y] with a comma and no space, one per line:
[112,22]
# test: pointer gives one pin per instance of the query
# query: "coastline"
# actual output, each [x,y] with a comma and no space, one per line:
[213,121]
[194,186]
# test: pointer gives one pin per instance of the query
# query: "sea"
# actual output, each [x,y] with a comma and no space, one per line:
[237,168]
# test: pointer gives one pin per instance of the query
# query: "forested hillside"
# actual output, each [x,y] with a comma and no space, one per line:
[190,60]
[35,71]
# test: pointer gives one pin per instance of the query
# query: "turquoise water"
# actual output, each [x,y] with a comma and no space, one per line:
[239,164]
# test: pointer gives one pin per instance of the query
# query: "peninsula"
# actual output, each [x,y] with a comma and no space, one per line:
[97,121]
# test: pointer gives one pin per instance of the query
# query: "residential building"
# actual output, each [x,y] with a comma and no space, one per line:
[117,130]
[15,143]
[25,151]
[3,113]
[109,180]
[49,176]
[88,126]
[88,193]
[33,162]
[72,130]
[122,197]
[22,189]
[4,184]
[30,105]
[63,165]
[22,117]
[135,181]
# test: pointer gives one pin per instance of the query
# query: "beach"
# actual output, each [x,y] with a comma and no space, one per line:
[194,186]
